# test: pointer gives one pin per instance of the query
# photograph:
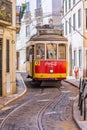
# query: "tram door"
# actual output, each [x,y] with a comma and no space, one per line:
[0,66]
[31,60]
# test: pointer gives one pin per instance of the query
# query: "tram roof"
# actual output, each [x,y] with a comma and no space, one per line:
[48,37]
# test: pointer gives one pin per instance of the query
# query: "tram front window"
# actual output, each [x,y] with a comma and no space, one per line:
[40,51]
[62,51]
[51,50]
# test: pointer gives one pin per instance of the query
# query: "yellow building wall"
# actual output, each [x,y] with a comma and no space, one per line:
[9,33]
[9,78]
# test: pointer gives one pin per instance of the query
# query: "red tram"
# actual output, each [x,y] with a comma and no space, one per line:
[47,55]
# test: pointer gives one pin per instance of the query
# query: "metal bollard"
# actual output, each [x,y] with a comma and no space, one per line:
[80,85]
[85,107]
[81,98]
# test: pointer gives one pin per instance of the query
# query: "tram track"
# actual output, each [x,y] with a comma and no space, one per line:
[47,108]
[37,97]
[62,108]
[42,111]
[57,101]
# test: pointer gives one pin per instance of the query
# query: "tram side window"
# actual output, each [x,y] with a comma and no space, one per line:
[62,51]
[27,54]
[51,51]
[31,53]
[40,51]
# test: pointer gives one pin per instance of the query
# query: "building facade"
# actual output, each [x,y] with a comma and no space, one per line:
[85,36]
[38,12]
[74,23]
[7,47]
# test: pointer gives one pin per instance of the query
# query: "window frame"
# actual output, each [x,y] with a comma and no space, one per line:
[80,57]
[75,57]
[38,4]
[74,22]
[41,53]
[64,52]
[79,18]
[70,25]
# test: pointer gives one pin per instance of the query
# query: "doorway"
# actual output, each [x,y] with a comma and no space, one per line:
[86,63]
[0,66]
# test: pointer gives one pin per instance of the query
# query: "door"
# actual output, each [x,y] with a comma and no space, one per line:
[86,63]
[0,66]
[17,62]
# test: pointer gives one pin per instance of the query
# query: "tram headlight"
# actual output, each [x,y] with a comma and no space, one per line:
[51,71]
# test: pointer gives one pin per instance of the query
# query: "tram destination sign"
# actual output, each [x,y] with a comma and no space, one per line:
[6,10]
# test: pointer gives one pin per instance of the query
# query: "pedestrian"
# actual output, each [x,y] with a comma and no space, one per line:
[76,72]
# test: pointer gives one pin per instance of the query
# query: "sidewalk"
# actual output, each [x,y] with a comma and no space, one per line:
[21,89]
[82,125]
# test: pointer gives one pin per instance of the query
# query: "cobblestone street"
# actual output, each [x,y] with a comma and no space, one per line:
[47,109]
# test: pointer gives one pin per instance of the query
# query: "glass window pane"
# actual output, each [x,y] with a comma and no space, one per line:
[65,6]
[73,2]
[69,4]
[86,19]
[75,61]
[70,25]
[28,7]
[40,51]
[80,58]
[65,27]
[51,50]
[27,30]
[74,25]
[38,3]
[79,18]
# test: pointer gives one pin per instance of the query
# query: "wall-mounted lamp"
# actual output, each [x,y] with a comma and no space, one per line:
[13,42]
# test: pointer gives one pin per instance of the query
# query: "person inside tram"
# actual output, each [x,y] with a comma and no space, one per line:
[51,51]
[40,51]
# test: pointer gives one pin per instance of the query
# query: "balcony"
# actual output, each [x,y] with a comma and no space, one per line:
[38,12]
[5,13]
[18,22]
[27,17]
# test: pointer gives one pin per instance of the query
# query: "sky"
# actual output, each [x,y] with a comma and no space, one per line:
[18,2]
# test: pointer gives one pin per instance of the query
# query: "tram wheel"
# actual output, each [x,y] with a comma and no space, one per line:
[35,82]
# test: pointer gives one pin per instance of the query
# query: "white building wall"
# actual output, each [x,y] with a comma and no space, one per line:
[75,38]
[47,10]
[33,20]
[21,41]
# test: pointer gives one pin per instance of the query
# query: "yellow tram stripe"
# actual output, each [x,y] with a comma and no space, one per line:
[37,75]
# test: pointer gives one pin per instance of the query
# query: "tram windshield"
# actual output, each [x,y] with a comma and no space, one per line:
[51,51]
[40,51]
